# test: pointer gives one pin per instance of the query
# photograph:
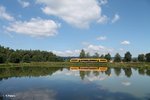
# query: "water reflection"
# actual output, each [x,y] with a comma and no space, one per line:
[6,73]
[117,71]
[101,69]
[74,83]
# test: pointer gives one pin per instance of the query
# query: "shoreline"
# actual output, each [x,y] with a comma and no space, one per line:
[71,64]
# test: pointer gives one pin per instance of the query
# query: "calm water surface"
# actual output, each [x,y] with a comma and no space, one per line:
[67,84]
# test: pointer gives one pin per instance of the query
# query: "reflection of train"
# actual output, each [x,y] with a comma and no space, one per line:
[89,68]
[88,60]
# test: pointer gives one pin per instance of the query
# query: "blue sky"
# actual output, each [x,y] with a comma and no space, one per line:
[67,26]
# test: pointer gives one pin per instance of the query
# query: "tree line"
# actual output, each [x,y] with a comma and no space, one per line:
[117,58]
[17,56]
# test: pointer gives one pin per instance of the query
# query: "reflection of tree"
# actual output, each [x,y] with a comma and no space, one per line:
[108,72]
[148,72]
[82,75]
[1,97]
[128,72]
[117,71]
[95,73]
[87,73]
[27,71]
[141,71]
[135,68]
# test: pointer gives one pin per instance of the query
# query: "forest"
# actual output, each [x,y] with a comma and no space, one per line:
[16,56]
[8,55]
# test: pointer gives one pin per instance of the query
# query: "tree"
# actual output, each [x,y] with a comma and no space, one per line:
[2,58]
[96,55]
[147,56]
[37,58]
[14,57]
[26,58]
[108,57]
[134,59]
[141,57]
[128,72]
[102,56]
[87,55]
[82,54]
[117,71]
[117,58]
[127,57]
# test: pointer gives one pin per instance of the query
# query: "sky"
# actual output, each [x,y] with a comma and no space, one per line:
[67,26]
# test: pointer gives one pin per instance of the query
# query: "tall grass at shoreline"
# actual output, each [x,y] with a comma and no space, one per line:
[69,64]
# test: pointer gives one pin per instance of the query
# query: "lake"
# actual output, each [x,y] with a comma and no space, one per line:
[74,83]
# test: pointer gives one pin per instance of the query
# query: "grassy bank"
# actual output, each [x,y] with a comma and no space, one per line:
[69,64]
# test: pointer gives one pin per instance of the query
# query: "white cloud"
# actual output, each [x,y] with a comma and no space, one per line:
[92,77]
[36,27]
[98,48]
[103,19]
[89,48]
[125,42]
[24,3]
[121,49]
[5,15]
[103,2]
[79,13]
[37,94]
[116,18]
[126,83]
[85,43]
[67,53]
[101,38]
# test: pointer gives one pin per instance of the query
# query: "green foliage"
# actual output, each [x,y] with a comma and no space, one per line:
[134,59]
[147,56]
[82,54]
[102,56]
[15,57]
[141,57]
[37,58]
[2,58]
[108,57]
[26,58]
[127,57]
[87,55]
[96,55]
[117,58]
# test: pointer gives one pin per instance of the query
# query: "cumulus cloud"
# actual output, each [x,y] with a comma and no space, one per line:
[115,18]
[5,15]
[24,4]
[89,48]
[79,13]
[121,49]
[103,19]
[36,27]
[96,78]
[101,38]
[125,42]
[98,48]
[126,83]
[36,94]
[67,53]
[103,2]
[85,43]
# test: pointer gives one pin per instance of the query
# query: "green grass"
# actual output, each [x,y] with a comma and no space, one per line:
[69,64]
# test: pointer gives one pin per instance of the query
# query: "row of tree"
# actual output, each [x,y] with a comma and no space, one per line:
[117,58]
[16,56]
